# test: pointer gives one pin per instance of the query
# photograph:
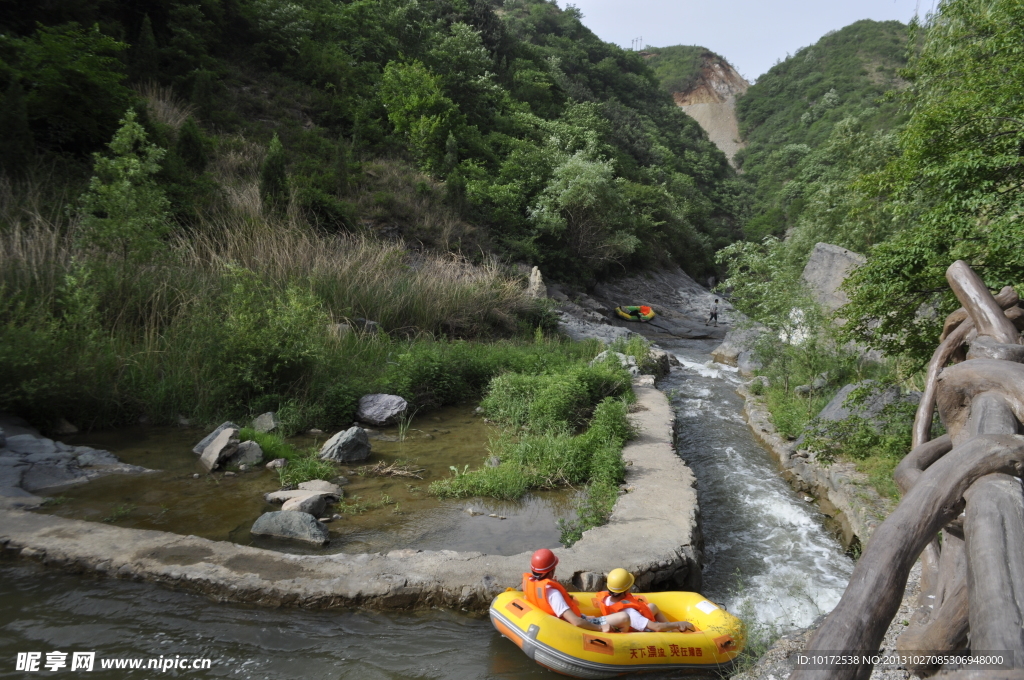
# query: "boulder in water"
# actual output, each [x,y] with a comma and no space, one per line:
[381,409]
[205,441]
[320,486]
[348,446]
[248,453]
[297,526]
[314,504]
[223,446]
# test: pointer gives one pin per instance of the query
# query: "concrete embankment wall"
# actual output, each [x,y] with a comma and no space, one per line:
[841,491]
[654,531]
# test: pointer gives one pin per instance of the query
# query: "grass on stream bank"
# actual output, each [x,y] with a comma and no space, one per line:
[562,429]
[875,448]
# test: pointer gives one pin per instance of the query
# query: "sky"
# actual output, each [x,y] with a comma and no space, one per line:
[751,34]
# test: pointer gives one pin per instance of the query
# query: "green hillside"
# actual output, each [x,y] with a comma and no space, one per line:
[496,107]
[793,109]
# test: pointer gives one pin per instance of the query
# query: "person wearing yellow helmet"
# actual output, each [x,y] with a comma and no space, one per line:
[643,616]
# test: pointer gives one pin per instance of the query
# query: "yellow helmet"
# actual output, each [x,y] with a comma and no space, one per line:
[619,580]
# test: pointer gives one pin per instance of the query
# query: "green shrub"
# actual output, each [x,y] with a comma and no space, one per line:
[273,446]
[553,460]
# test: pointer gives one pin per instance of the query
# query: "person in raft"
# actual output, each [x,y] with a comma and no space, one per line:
[545,593]
[643,616]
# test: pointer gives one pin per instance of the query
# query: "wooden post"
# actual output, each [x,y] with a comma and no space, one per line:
[872,598]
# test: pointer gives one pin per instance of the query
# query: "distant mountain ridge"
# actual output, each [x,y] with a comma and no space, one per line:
[705,86]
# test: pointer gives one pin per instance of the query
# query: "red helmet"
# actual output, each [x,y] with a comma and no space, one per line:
[543,561]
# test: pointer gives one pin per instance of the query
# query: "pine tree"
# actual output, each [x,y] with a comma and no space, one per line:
[273,180]
[190,146]
[16,142]
[145,53]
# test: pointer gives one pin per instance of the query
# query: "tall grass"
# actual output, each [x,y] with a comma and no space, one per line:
[236,317]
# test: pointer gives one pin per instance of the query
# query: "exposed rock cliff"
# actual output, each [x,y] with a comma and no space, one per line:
[711,101]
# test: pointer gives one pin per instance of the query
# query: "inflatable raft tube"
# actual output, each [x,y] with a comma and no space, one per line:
[566,649]
[635,313]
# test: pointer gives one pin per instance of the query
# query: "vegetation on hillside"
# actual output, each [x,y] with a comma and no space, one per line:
[558,148]
[677,68]
[943,186]
[815,119]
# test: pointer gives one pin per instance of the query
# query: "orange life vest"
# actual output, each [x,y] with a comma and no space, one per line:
[535,592]
[628,602]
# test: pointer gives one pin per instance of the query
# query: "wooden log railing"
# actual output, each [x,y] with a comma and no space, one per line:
[965,487]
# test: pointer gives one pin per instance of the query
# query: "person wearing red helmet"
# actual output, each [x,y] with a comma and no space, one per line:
[545,593]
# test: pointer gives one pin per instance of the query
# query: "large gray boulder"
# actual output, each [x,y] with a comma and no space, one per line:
[872,405]
[205,441]
[348,446]
[223,446]
[27,444]
[266,422]
[827,268]
[298,526]
[248,453]
[737,349]
[381,409]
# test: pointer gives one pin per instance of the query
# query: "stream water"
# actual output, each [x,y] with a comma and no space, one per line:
[768,554]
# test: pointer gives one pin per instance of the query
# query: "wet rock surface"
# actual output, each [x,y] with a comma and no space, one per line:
[297,526]
[30,462]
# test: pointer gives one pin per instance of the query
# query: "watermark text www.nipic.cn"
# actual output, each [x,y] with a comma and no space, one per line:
[86,661]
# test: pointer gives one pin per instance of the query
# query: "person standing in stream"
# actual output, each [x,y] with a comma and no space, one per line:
[714,313]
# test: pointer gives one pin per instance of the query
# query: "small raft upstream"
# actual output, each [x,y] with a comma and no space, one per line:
[580,653]
[635,313]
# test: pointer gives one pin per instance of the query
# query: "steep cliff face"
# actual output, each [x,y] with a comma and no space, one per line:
[711,101]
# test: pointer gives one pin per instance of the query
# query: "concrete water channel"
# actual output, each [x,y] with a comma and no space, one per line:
[767,554]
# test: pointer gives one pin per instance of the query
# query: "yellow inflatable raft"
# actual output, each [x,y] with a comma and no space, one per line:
[635,313]
[580,653]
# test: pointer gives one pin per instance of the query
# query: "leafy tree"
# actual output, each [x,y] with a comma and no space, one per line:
[73,79]
[124,212]
[190,146]
[580,209]
[419,111]
[273,179]
[955,187]
[16,140]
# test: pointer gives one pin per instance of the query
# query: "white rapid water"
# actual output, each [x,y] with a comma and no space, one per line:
[768,555]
